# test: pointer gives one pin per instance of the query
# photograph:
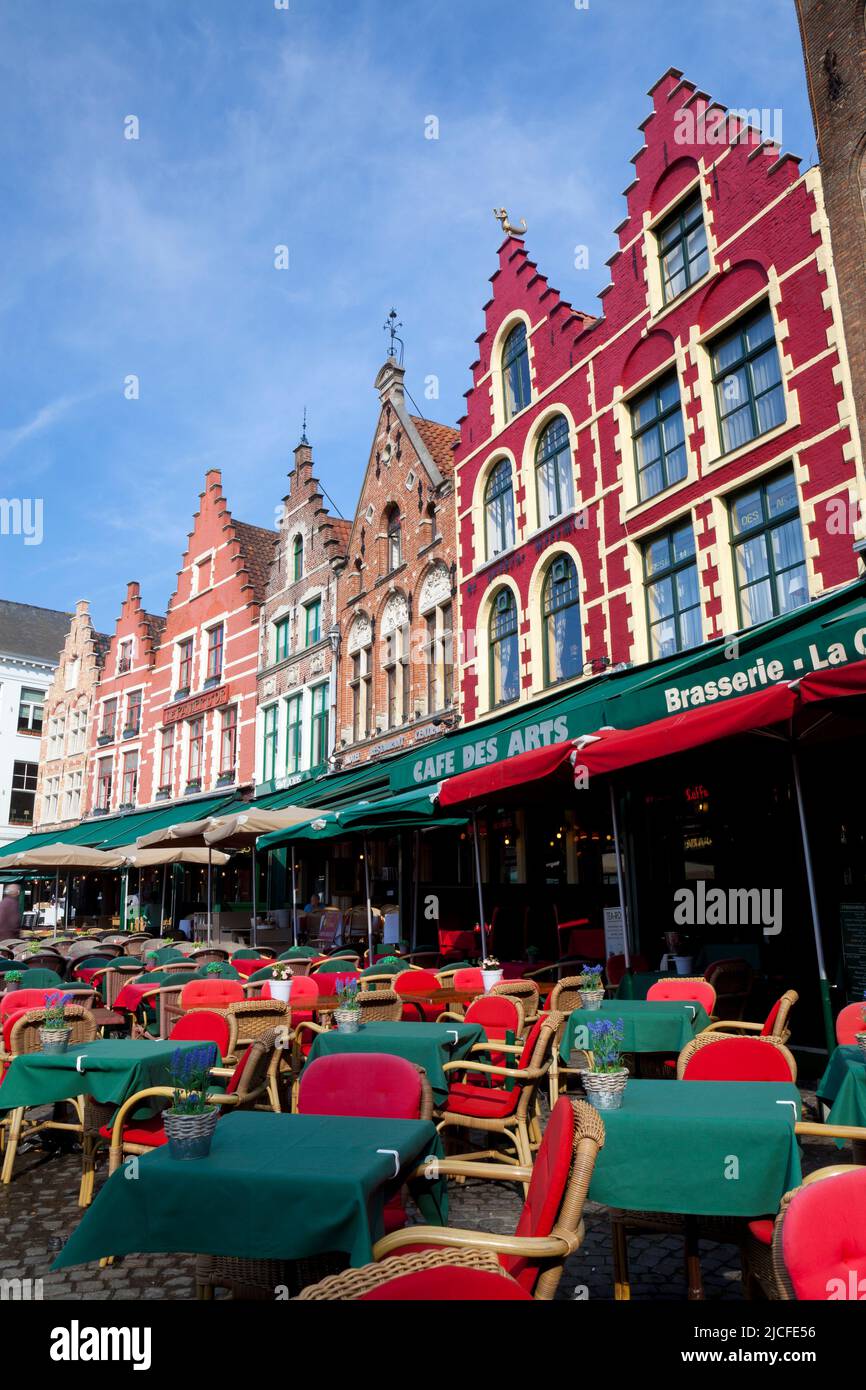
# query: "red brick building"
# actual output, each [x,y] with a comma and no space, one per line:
[297,657]
[118,738]
[397,587]
[66,730]
[629,486]
[200,717]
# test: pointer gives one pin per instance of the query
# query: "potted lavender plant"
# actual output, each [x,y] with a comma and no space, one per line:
[55,1032]
[190,1121]
[347,1015]
[605,1079]
[591,989]
[281,980]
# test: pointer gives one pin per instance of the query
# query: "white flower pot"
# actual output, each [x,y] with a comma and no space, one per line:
[281,989]
[490,978]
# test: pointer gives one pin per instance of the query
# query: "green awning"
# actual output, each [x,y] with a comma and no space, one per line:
[414,810]
[107,832]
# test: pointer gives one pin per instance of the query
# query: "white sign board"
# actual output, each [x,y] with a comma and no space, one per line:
[614,932]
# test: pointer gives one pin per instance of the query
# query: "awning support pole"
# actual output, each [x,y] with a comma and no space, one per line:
[56,899]
[162,899]
[173,896]
[481,922]
[209,893]
[416,874]
[294,901]
[369,905]
[823,983]
[66,912]
[619,880]
[254,939]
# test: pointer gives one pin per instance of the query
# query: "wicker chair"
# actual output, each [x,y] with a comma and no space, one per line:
[823,1222]
[380,1006]
[208,955]
[735,1059]
[359,1283]
[527,992]
[776,1024]
[256,1018]
[732,979]
[493,1108]
[248,1087]
[24,1038]
[682,989]
[536,1253]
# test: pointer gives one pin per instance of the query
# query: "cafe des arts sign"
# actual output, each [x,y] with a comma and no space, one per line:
[829,633]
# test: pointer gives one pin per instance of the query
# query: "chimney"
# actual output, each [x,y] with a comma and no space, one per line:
[389,382]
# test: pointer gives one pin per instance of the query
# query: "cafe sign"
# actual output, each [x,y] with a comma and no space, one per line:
[199,704]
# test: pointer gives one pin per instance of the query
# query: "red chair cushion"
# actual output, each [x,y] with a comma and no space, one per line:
[824,1238]
[416,1011]
[529,1045]
[20,1000]
[203,1026]
[770,1024]
[447,1284]
[150,1132]
[849,1023]
[737,1059]
[327,984]
[482,1102]
[394,1214]
[683,990]
[546,1189]
[469,978]
[374,1085]
[762,1229]
[248,966]
[497,1015]
[211,994]
[235,1078]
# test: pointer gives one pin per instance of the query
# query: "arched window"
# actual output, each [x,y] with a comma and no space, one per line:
[395,539]
[499,509]
[298,557]
[504,650]
[515,371]
[560,607]
[553,471]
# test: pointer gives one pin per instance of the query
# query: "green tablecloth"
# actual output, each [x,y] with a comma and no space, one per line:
[663,1026]
[113,1070]
[640,983]
[843,1087]
[701,1148]
[429,1045]
[274,1187]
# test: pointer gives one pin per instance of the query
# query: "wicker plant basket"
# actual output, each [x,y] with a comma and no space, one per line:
[861,1042]
[190,1136]
[54,1040]
[591,998]
[604,1089]
[347,1020]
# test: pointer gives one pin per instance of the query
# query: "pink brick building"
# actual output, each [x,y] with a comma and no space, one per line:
[632,485]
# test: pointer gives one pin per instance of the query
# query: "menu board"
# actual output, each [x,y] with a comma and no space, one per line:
[853,922]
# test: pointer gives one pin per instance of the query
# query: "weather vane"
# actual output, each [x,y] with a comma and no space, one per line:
[304,439]
[390,327]
[508,227]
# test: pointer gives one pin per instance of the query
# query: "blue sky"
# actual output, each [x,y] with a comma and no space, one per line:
[261,127]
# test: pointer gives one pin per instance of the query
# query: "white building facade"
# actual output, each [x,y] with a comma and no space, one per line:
[31,640]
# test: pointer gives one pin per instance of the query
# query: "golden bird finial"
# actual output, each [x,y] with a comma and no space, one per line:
[508,228]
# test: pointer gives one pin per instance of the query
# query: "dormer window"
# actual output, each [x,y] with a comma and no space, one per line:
[683,253]
[124,657]
[515,371]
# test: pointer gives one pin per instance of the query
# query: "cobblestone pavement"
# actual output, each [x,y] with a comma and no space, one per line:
[39,1210]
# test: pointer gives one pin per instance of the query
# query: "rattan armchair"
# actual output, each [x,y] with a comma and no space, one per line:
[776,1025]
[256,1018]
[354,1284]
[536,1259]
[251,1078]
[528,994]
[710,1039]
[491,1107]
[380,1006]
[24,1038]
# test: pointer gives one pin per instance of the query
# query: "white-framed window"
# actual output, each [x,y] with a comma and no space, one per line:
[72,796]
[31,711]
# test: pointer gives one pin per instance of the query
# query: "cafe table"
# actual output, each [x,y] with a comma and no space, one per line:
[648,1025]
[700,1148]
[843,1087]
[110,1070]
[274,1187]
[428,1045]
